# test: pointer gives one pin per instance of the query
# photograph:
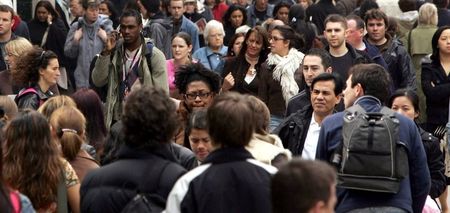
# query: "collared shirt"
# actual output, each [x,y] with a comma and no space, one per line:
[208,58]
[312,137]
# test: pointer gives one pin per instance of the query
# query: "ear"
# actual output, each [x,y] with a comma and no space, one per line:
[359,90]
[416,114]
[329,70]
[190,48]
[41,71]
[317,208]
[338,99]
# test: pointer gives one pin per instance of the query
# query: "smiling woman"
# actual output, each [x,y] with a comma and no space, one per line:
[39,70]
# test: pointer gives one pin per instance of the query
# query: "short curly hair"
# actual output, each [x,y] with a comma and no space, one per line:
[27,66]
[149,118]
[196,72]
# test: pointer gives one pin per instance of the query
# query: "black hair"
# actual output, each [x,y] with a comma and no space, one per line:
[338,83]
[435,56]
[322,54]
[226,17]
[132,13]
[279,6]
[373,78]
[295,40]
[359,21]
[408,93]
[196,72]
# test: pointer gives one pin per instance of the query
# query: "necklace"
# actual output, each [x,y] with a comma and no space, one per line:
[252,62]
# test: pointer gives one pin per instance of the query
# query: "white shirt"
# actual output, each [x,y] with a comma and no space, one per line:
[312,138]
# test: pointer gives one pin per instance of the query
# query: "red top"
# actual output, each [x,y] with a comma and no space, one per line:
[219,10]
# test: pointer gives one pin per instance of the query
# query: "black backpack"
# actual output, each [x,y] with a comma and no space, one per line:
[148,202]
[371,157]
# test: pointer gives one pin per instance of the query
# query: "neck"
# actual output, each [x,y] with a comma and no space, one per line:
[179,62]
[444,58]
[215,49]
[251,57]
[378,43]
[360,46]
[319,117]
[133,46]
[260,9]
[44,86]
[6,37]
[340,51]
[284,53]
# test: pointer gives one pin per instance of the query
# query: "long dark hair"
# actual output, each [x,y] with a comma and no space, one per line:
[435,56]
[295,40]
[226,17]
[260,33]
[49,7]
[88,102]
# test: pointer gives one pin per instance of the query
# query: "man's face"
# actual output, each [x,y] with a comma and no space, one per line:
[5,22]
[312,67]
[354,36]
[261,4]
[130,29]
[92,14]
[323,98]
[350,94]
[376,28]
[335,34]
[177,9]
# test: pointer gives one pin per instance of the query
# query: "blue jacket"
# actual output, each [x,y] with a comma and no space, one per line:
[252,20]
[375,55]
[190,28]
[414,188]
[208,58]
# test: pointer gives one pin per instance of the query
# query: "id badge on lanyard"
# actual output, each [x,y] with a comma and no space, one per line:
[125,85]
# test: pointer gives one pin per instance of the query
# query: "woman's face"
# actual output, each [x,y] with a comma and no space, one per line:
[404,106]
[180,49]
[236,18]
[215,38]
[200,143]
[198,95]
[304,3]
[444,42]
[278,43]
[42,14]
[254,45]
[189,7]
[10,59]
[103,9]
[237,45]
[51,73]
[283,15]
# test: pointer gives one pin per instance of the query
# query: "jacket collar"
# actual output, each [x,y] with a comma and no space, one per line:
[227,155]
[369,103]
[163,151]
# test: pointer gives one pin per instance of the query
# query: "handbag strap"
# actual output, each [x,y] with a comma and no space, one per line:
[44,37]
[62,195]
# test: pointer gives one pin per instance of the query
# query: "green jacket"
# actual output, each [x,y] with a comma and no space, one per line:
[109,71]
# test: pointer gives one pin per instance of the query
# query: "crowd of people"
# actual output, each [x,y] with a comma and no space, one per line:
[220,105]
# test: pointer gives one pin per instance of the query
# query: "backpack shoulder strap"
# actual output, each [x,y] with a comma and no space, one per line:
[148,56]
[356,109]
[26,91]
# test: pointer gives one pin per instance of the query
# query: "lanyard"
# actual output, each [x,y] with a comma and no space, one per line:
[135,60]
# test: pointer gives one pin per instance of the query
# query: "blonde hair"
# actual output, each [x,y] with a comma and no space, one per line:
[428,14]
[69,124]
[54,103]
[18,46]
[9,107]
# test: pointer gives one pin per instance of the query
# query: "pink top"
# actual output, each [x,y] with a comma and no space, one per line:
[171,74]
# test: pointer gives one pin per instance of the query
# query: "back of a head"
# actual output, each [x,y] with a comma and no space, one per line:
[428,14]
[53,103]
[69,124]
[374,80]
[441,3]
[149,118]
[300,185]
[296,13]
[261,114]
[18,46]
[228,120]
[367,5]
[407,5]
[8,106]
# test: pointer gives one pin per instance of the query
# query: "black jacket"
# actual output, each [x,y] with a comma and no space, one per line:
[115,141]
[111,187]
[32,100]
[229,180]
[293,130]
[299,101]
[436,87]
[435,163]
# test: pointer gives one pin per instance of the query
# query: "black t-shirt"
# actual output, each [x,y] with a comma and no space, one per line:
[341,65]
[261,15]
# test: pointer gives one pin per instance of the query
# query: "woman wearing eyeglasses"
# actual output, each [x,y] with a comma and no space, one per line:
[277,84]
[198,86]
[38,70]
[241,73]
[211,55]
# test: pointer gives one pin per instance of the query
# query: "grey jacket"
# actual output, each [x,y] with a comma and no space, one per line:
[89,45]
[108,70]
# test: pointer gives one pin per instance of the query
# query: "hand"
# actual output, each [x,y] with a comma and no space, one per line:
[49,19]
[110,43]
[228,82]
[102,34]
[78,34]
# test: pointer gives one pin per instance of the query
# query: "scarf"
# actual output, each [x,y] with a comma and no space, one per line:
[284,70]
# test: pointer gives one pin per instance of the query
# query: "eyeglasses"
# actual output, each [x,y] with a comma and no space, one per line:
[193,96]
[274,38]
[215,35]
